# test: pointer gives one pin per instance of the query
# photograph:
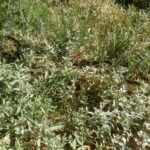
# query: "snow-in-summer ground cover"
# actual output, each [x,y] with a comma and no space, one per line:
[74,76]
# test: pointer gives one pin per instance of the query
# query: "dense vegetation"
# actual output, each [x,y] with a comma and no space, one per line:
[74,75]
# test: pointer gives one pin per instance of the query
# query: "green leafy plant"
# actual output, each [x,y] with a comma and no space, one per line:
[74,75]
